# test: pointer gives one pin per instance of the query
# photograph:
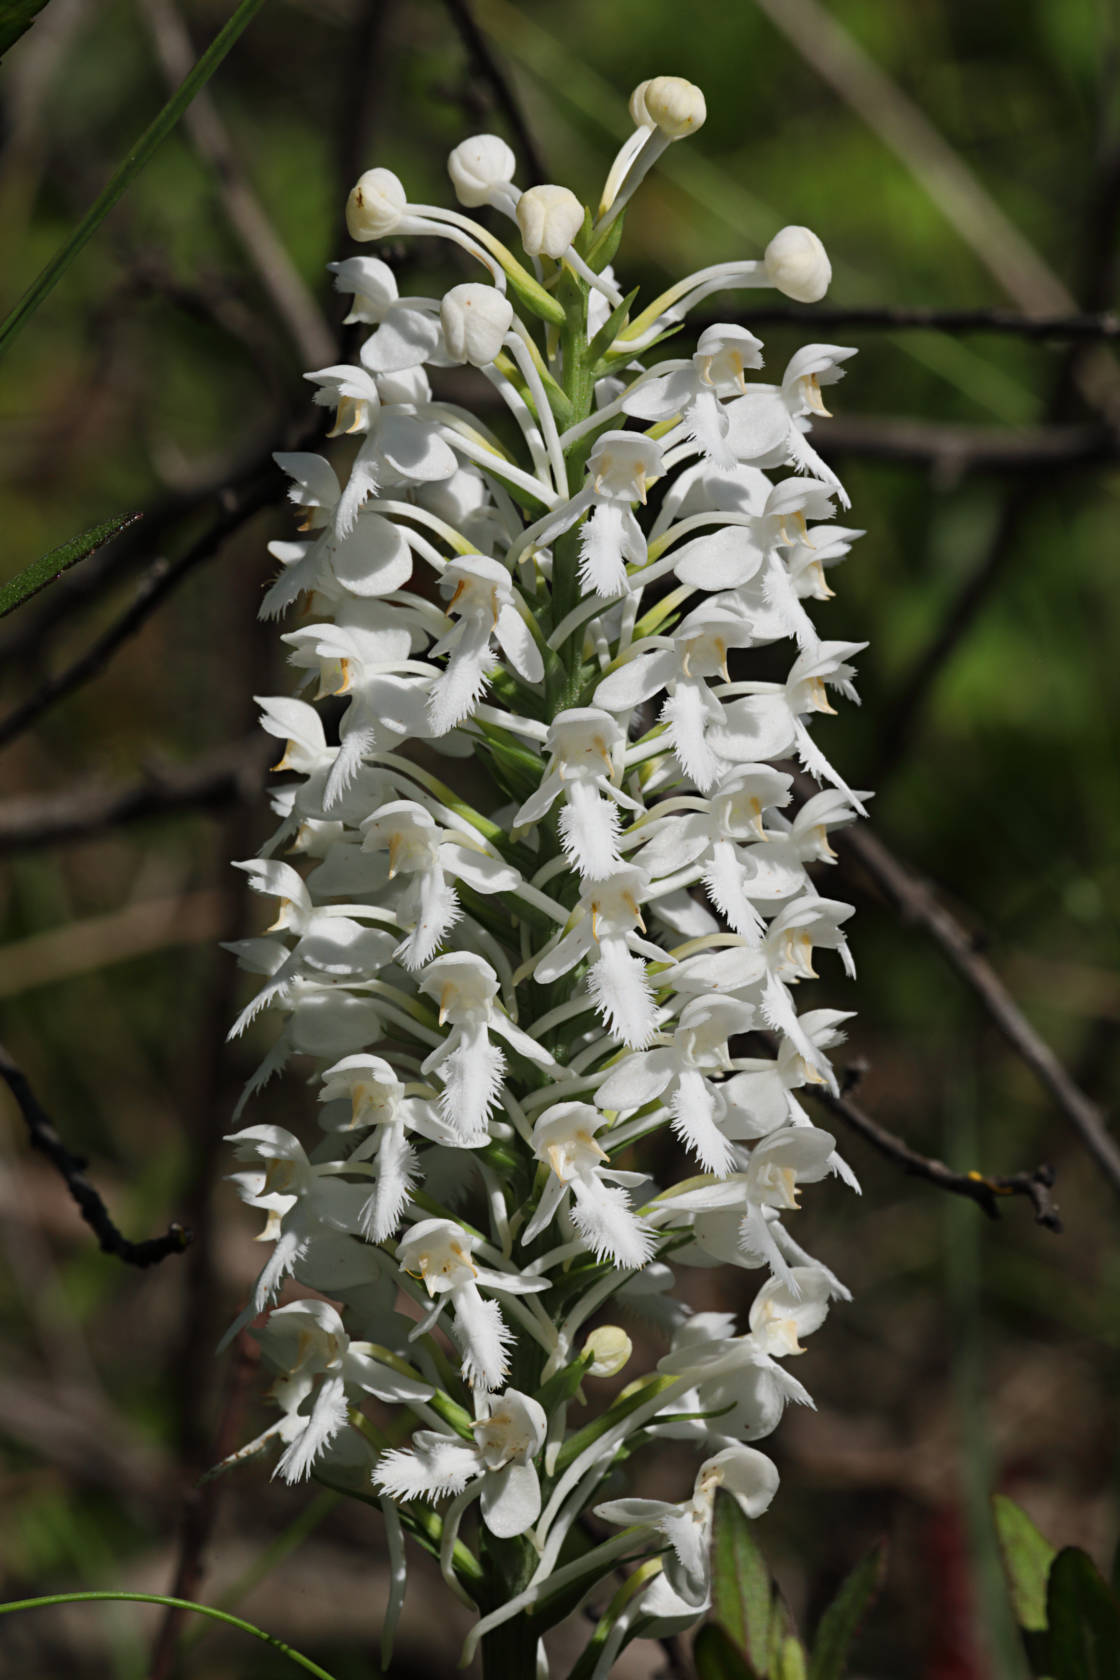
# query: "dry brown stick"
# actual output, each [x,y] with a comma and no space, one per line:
[479,50]
[982,1188]
[230,775]
[918,905]
[952,450]
[920,317]
[290,296]
[72,1170]
[157,583]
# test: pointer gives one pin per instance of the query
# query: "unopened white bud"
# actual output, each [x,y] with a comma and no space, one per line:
[798,264]
[477,166]
[475,320]
[376,205]
[610,1348]
[676,107]
[549,219]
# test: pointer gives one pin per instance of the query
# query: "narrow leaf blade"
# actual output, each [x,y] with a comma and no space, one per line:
[717,1658]
[16,18]
[840,1622]
[1027,1557]
[1083,1618]
[51,566]
[740,1583]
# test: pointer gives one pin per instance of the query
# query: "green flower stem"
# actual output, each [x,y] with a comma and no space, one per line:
[171,1604]
[127,171]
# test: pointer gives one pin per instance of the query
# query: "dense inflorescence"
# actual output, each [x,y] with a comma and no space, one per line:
[553,871]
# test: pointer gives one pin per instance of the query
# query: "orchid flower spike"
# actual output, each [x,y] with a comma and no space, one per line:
[538,862]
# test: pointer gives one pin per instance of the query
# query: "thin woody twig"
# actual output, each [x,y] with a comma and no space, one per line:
[914,898]
[478,47]
[953,450]
[157,583]
[227,776]
[72,1169]
[920,317]
[985,1190]
[284,285]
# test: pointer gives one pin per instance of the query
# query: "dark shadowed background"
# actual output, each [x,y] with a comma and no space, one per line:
[951,155]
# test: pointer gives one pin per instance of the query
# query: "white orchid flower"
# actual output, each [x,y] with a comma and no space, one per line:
[302,1200]
[468,1063]
[738,1377]
[762,968]
[693,389]
[379,1107]
[682,665]
[730,1215]
[746,1474]
[510,1431]
[330,940]
[585,746]
[439,1253]
[767,421]
[605,927]
[430,858]
[307,1342]
[564,1139]
[482,598]
[372,670]
[677,1071]
[620,469]
[769,721]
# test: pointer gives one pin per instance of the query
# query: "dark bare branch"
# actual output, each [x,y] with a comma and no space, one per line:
[158,582]
[72,1169]
[230,775]
[921,317]
[952,450]
[984,1189]
[483,59]
[915,900]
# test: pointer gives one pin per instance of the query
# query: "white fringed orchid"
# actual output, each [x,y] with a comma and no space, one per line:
[580,1179]
[548,888]
[510,1430]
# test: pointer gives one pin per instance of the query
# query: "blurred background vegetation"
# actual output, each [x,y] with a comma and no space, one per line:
[949,154]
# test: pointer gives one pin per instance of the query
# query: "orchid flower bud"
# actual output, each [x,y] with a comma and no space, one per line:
[549,219]
[798,264]
[475,321]
[669,103]
[479,168]
[610,1349]
[376,205]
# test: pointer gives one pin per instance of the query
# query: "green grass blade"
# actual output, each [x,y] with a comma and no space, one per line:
[16,18]
[50,566]
[172,1604]
[133,163]
[1026,1559]
[741,1591]
[841,1621]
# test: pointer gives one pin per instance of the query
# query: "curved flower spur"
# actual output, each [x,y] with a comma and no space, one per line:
[553,874]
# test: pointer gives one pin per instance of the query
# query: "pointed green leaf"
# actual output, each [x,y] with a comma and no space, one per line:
[610,328]
[1027,1557]
[1083,1618]
[717,1658]
[740,1583]
[50,566]
[841,1621]
[790,1663]
[16,18]
[785,1659]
